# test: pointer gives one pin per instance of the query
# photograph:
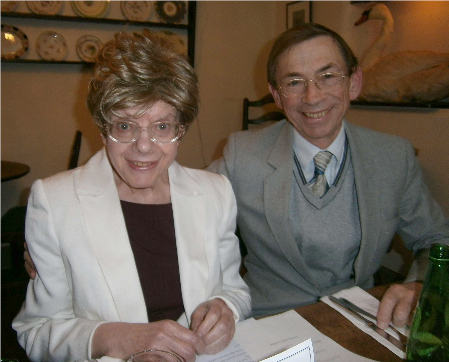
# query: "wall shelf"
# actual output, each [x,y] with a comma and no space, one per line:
[399,104]
[80,19]
[41,61]
[188,29]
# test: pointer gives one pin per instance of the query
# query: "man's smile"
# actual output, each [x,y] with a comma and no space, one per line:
[316,114]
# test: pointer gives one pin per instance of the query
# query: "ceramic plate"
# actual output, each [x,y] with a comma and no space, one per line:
[9,5]
[88,47]
[171,11]
[51,46]
[91,9]
[14,42]
[45,7]
[136,10]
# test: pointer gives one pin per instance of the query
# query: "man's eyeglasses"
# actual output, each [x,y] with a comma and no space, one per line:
[159,132]
[325,82]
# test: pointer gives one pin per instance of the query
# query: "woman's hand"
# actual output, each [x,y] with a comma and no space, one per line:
[212,328]
[121,340]
[214,322]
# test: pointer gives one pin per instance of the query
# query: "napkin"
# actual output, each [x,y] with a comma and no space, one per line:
[370,304]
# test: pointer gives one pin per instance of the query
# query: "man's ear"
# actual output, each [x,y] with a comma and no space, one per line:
[355,83]
[276,96]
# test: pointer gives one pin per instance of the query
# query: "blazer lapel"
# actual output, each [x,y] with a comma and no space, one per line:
[106,230]
[189,214]
[368,200]
[277,190]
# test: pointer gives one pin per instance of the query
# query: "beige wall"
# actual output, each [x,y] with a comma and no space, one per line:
[43,105]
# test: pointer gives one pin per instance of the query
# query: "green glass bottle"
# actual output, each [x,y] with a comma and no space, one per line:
[429,334]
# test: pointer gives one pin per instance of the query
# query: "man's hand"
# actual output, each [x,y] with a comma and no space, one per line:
[397,304]
[29,265]
[121,340]
[214,322]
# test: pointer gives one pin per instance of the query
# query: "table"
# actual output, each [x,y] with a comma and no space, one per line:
[331,323]
[13,170]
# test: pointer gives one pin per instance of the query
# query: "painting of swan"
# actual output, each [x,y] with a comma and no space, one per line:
[406,76]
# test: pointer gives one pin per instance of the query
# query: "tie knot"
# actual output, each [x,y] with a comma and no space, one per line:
[321,160]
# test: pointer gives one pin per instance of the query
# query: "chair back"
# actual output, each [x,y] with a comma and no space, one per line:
[73,163]
[267,116]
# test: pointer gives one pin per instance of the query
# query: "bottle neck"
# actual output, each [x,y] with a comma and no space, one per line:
[439,252]
[438,269]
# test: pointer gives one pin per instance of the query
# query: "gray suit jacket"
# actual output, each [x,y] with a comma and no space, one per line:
[391,196]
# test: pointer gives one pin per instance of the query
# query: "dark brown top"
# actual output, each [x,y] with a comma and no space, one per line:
[151,231]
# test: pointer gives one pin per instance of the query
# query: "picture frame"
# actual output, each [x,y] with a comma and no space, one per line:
[298,12]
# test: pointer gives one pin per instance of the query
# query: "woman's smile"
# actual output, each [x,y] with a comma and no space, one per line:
[141,164]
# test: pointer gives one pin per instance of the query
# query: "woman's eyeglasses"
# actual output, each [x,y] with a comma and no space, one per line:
[159,132]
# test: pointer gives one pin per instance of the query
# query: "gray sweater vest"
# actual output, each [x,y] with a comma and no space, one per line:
[327,230]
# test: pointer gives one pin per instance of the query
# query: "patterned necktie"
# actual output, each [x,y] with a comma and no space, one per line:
[319,185]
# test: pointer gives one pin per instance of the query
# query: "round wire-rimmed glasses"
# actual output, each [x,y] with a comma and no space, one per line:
[159,132]
[155,355]
[325,82]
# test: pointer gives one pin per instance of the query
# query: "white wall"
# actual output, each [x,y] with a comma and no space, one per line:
[43,105]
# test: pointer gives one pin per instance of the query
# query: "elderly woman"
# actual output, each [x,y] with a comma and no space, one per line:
[134,251]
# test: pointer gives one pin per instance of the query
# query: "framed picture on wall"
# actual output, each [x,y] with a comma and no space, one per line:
[298,12]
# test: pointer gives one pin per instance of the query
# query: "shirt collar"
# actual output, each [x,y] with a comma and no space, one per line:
[305,151]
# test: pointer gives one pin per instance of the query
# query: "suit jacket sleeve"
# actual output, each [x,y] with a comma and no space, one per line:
[234,291]
[47,327]
[421,220]
[224,166]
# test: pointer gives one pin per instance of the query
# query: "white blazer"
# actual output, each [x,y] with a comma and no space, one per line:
[77,237]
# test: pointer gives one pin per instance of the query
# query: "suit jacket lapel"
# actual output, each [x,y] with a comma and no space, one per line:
[277,191]
[106,230]
[189,215]
[368,200]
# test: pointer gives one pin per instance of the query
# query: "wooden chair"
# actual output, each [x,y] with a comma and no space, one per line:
[268,116]
[73,163]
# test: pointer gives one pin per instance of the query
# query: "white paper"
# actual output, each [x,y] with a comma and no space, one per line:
[266,337]
[302,352]
[369,303]
[255,340]
[234,352]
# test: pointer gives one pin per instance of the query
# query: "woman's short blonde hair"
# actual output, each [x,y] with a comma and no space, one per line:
[139,70]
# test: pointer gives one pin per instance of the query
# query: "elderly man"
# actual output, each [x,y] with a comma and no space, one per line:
[319,199]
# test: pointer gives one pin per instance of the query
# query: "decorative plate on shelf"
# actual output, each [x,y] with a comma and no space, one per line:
[45,7]
[88,47]
[136,10]
[14,42]
[51,45]
[172,12]
[9,5]
[90,9]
